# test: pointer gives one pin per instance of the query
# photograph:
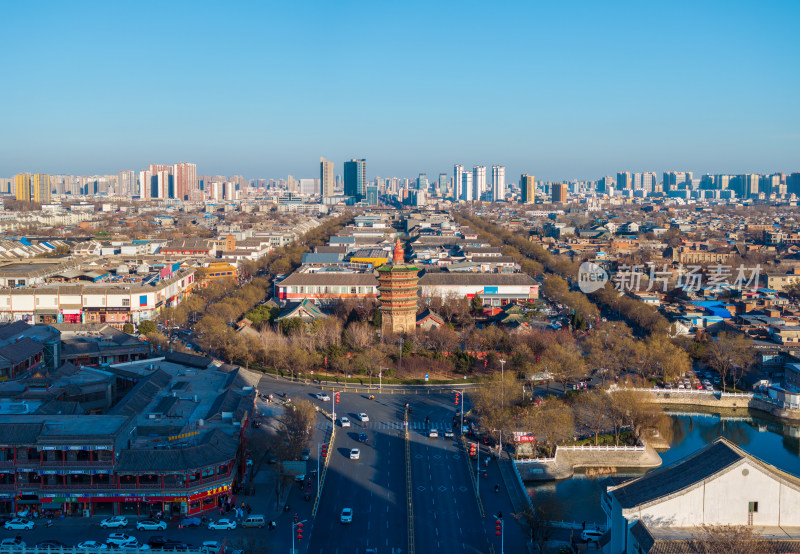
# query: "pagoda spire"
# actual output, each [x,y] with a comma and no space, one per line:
[398,256]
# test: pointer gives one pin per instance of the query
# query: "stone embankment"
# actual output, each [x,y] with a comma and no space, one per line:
[720,400]
[596,460]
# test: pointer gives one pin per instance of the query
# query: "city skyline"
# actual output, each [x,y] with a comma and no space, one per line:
[570,102]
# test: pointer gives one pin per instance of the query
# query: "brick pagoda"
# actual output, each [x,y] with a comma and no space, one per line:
[398,294]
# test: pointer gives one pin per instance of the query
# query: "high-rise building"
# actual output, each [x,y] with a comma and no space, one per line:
[478,181]
[145,184]
[498,182]
[527,185]
[40,188]
[458,171]
[184,177]
[355,178]
[793,184]
[22,186]
[444,185]
[466,186]
[422,182]
[326,178]
[559,192]
[126,184]
[624,181]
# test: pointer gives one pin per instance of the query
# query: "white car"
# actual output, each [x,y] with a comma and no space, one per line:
[210,547]
[19,523]
[222,524]
[355,454]
[151,525]
[114,522]
[347,515]
[345,421]
[363,417]
[434,434]
[91,545]
[7,544]
[118,539]
[591,535]
[322,396]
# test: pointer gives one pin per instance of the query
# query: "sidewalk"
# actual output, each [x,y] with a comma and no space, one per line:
[515,538]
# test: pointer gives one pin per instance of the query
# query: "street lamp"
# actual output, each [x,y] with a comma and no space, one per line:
[380,377]
[503,383]
[299,527]
[500,529]
[500,443]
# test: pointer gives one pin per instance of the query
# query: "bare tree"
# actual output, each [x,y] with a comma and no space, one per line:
[726,539]
[593,412]
[297,424]
[359,335]
[730,355]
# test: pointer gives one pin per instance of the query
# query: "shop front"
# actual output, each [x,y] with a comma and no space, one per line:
[71,315]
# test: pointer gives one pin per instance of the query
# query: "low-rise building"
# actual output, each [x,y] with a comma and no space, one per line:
[327,287]
[495,289]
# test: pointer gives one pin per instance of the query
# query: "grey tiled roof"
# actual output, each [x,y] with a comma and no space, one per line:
[662,482]
[215,448]
[476,279]
[683,546]
[20,433]
[642,535]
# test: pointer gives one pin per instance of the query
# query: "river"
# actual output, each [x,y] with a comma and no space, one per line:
[578,498]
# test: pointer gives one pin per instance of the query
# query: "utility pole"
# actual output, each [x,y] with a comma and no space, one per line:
[503,383]
[299,527]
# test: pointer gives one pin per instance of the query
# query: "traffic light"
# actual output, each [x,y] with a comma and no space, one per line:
[337,397]
[457,396]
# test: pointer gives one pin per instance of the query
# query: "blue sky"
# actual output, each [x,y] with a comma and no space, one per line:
[558,89]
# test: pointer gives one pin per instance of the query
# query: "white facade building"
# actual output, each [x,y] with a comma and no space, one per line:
[498,182]
[478,181]
[458,172]
[717,485]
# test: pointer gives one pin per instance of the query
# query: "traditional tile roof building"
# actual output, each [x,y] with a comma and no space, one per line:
[717,485]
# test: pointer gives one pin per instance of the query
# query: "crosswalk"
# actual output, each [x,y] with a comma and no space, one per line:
[398,425]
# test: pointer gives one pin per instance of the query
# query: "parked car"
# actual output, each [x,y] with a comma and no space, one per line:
[13,542]
[305,454]
[19,523]
[222,524]
[210,547]
[51,545]
[117,539]
[151,525]
[156,541]
[114,522]
[191,522]
[591,535]
[347,515]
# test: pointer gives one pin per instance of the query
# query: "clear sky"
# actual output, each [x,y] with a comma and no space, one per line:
[559,89]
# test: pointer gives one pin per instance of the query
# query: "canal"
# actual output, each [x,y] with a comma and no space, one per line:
[578,498]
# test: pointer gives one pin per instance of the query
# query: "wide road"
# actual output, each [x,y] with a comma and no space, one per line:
[446,516]
[372,486]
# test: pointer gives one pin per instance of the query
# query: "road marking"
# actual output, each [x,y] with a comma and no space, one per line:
[437,531]
[434,515]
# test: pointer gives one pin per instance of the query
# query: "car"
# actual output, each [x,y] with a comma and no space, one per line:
[363,417]
[433,433]
[305,454]
[448,434]
[175,545]
[91,545]
[322,396]
[14,542]
[347,515]
[362,437]
[191,522]
[114,522]
[345,421]
[51,545]
[222,524]
[300,477]
[591,535]
[19,523]
[210,547]
[117,539]
[355,454]
[151,525]
[156,541]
